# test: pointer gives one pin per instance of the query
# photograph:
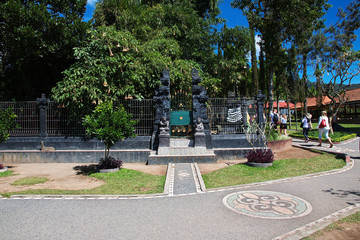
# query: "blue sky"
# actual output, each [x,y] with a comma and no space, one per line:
[235,17]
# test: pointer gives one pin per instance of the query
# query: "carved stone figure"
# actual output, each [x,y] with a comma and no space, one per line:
[199,126]
[164,126]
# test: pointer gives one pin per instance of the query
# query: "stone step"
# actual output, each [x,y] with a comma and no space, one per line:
[166,159]
[184,151]
[181,142]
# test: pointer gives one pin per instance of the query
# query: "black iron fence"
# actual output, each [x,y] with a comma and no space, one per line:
[226,116]
[60,122]
[230,115]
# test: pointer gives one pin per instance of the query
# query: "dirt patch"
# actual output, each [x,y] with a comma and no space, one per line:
[60,175]
[295,153]
[63,176]
[349,231]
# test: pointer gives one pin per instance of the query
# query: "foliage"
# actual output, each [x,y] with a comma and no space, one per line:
[260,156]
[231,67]
[335,137]
[7,123]
[256,136]
[109,124]
[244,174]
[29,181]
[110,163]
[36,44]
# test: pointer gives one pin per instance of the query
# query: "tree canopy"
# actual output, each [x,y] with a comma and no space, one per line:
[36,44]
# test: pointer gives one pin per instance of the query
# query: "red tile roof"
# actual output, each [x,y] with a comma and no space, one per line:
[352,96]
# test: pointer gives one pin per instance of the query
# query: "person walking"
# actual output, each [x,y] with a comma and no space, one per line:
[274,119]
[306,125]
[283,124]
[324,128]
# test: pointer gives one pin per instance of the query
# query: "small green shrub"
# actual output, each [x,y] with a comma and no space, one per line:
[109,124]
[7,123]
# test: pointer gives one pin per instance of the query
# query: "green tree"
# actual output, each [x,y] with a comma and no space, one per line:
[233,47]
[337,58]
[7,123]
[131,44]
[278,22]
[109,124]
[36,44]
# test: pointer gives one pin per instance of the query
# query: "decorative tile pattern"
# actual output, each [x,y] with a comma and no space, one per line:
[267,204]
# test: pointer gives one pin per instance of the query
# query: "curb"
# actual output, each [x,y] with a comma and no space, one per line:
[319,224]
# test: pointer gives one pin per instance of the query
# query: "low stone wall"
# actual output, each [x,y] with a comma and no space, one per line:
[281,145]
[73,156]
[72,143]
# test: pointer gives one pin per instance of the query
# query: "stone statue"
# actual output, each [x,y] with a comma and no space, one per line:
[199,126]
[164,126]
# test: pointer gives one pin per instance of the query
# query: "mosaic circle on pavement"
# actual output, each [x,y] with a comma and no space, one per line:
[267,204]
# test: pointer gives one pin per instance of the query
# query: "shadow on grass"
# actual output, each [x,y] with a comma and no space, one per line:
[86,169]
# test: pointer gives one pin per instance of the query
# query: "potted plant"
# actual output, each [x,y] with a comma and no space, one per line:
[2,168]
[110,125]
[260,155]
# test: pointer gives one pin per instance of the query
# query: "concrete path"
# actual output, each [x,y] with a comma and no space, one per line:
[284,209]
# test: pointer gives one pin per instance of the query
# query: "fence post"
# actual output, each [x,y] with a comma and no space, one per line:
[260,109]
[244,109]
[42,105]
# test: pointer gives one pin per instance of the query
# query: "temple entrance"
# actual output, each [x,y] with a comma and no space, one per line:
[181,117]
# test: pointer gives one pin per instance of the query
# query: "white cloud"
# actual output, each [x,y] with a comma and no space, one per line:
[92,2]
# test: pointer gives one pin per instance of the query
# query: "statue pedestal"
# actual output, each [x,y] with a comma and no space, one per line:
[164,140]
[199,140]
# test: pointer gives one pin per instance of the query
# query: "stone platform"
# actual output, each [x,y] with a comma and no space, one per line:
[181,151]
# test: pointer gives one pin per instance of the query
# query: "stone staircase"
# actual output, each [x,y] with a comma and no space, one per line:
[181,151]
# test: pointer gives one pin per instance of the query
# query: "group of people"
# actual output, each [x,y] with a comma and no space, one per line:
[323,125]
[276,120]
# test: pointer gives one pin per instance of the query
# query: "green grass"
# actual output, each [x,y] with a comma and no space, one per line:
[122,182]
[314,135]
[29,181]
[243,174]
[352,127]
[354,218]
[6,173]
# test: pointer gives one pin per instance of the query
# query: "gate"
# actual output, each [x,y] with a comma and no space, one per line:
[180,114]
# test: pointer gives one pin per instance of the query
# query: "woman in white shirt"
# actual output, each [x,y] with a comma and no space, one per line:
[306,122]
[324,128]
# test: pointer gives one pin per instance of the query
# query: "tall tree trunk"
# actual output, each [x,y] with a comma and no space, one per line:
[271,86]
[318,87]
[262,81]
[305,81]
[254,69]
[288,110]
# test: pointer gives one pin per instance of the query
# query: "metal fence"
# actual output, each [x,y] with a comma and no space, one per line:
[230,115]
[226,116]
[28,117]
[60,122]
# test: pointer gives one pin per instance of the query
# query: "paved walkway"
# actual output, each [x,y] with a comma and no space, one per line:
[283,209]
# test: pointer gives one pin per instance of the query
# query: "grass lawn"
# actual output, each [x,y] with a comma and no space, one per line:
[6,173]
[121,182]
[243,174]
[29,181]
